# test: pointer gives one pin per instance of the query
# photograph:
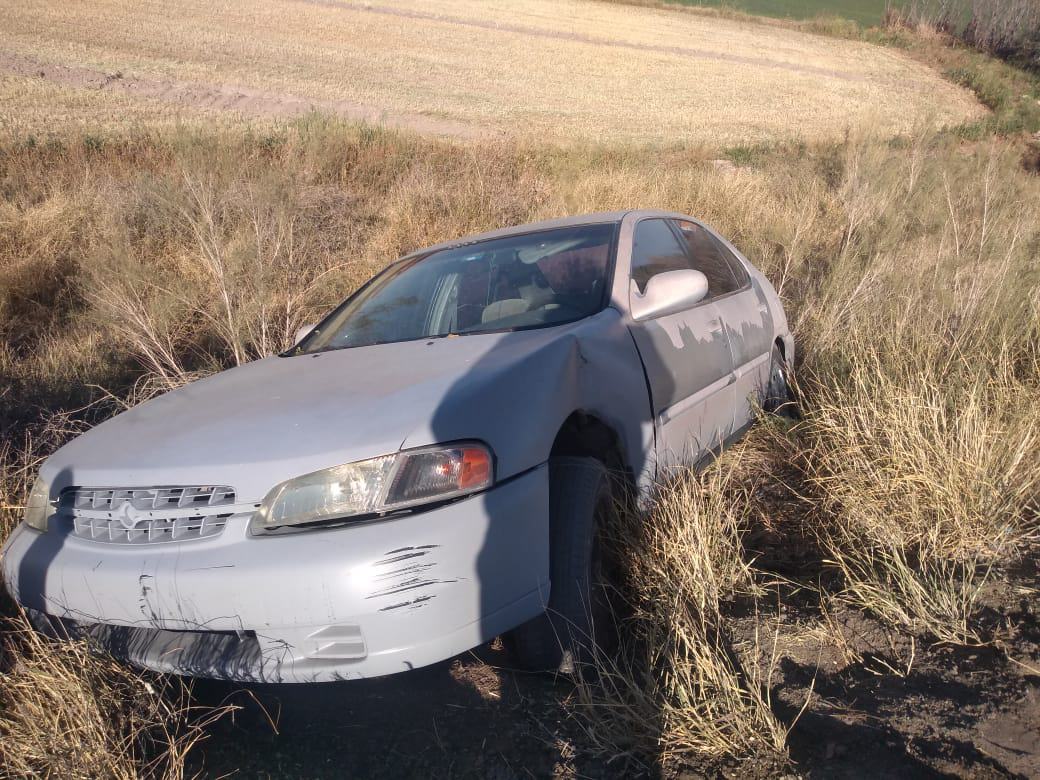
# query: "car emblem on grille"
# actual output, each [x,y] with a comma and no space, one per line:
[128,517]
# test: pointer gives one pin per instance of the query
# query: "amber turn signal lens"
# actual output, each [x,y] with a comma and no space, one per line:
[476,468]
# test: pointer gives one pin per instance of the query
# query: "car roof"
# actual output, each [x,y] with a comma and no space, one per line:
[532,227]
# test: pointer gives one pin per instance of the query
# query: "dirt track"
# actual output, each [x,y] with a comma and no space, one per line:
[226,97]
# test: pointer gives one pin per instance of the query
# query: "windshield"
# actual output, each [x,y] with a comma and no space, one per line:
[526,281]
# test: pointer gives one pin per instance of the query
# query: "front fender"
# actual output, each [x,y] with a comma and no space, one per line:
[518,406]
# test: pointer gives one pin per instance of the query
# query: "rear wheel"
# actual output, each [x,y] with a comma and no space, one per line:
[578,616]
[779,397]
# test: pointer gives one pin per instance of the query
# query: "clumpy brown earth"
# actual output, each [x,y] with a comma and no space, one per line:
[906,708]
[881,705]
[469,717]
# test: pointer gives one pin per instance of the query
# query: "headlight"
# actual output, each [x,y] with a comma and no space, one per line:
[377,485]
[38,505]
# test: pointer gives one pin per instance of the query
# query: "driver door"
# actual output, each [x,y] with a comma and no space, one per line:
[686,356]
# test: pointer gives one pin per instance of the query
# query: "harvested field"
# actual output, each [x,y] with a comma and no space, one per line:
[566,70]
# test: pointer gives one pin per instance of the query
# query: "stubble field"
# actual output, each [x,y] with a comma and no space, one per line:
[853,594]
[566,71]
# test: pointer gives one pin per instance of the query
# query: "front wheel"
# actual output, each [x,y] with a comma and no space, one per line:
[578,614]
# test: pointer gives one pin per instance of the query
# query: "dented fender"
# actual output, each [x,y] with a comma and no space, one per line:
[517,402]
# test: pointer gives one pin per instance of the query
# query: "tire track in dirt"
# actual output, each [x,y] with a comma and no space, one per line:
[229,98]
[560,35]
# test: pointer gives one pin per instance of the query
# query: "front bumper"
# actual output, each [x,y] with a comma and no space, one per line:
[355,601]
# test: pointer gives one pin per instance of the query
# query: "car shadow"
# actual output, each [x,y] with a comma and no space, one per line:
[471,716]
[542,704]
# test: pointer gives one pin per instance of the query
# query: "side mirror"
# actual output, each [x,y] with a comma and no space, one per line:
[302,332]
[667,293]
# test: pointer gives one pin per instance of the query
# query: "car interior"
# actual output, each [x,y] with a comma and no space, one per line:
[516,282]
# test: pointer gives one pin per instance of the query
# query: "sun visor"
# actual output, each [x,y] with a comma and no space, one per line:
[532,254]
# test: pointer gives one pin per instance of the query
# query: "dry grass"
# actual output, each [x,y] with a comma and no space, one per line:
[908,273]
[920,441]
[924,487]
[907,269]
[679,686]
[68,713]
[533,69]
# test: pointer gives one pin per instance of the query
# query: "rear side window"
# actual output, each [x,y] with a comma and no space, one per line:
[656,250]
[712,259]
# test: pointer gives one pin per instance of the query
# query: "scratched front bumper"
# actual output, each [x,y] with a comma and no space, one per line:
[350,602]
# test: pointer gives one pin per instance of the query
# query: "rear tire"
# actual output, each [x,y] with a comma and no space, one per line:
[578,612]
[779,397]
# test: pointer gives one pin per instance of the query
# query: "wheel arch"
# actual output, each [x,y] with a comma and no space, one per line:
[584,434]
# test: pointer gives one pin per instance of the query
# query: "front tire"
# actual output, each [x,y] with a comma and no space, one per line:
[578,613]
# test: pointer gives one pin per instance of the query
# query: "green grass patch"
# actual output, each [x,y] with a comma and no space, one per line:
[864,12]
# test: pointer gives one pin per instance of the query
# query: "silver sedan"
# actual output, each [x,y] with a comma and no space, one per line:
[426,469]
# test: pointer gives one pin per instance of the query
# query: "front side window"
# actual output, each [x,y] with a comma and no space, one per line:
[656,250]
[518,282]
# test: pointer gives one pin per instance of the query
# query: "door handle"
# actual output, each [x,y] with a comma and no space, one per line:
[715,325]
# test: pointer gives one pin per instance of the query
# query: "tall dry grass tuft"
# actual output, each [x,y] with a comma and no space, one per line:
[680,685]
[921,377]
[68,713]
[923,485]
[239,268]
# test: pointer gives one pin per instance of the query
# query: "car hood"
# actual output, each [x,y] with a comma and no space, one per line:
[254,426]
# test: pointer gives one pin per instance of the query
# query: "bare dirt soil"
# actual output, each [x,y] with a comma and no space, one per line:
[881,705]
[924,711]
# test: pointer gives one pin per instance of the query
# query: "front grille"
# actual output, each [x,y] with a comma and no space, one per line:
[149,515]
[111,499]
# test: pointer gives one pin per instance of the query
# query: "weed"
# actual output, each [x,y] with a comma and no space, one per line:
[679,685]
[66,712]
